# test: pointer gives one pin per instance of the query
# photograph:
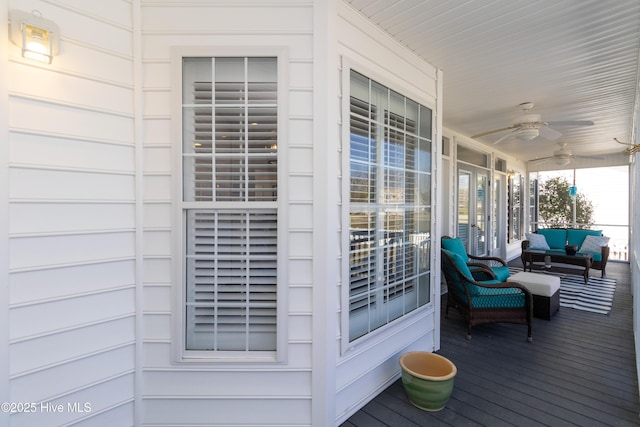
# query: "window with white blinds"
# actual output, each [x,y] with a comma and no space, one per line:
[390,205]
[229,169]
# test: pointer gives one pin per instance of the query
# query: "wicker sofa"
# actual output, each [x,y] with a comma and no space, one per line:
[554,240]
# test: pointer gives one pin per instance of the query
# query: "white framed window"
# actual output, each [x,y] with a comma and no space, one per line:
[389,211]
[229,211]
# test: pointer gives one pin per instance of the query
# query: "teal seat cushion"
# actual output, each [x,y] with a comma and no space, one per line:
[556,237]
[480,274]
[597,256]
[457,247]
[498,298]
[555,252]
[502,273]
[576,237]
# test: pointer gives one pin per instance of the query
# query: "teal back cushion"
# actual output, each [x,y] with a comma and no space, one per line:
[459,262]
[464,268]
[556,237]
[576,237]
[457,247]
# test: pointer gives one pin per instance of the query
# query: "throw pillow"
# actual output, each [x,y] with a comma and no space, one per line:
[538,241]
[577,236]
[594,243]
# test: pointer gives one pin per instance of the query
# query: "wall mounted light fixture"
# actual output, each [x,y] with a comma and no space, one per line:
[36,36]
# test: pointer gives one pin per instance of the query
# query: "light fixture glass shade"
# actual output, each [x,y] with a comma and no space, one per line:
[36,36]
[36,43]
[527,134]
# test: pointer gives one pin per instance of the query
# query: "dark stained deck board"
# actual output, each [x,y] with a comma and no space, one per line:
[580,370]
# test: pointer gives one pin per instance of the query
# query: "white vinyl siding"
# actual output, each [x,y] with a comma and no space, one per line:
[390,206]
[72,175]
[230,138]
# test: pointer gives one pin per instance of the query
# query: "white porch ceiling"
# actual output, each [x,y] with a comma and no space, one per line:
[575,59]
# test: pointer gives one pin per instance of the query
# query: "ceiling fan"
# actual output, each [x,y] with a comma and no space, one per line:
[563,156]
[531,126]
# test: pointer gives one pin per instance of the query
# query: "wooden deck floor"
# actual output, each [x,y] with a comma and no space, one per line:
[579,370]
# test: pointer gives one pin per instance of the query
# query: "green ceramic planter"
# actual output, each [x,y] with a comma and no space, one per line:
[428,379]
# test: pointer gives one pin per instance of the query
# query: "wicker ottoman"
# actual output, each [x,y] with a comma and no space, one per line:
[545,290]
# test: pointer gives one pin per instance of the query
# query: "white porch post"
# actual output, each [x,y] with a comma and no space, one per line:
[325,213]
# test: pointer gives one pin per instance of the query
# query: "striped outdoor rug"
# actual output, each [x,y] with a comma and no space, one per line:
[596,296]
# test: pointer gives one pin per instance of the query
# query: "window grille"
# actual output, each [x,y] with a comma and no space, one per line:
[229,207]
[390,205]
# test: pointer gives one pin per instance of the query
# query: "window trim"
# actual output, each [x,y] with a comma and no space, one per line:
[180,354]
[398,325]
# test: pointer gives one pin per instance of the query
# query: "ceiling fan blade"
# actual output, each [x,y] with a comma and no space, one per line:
[503,137]
[548,133]
[572,123]
[540,160]
[492,131]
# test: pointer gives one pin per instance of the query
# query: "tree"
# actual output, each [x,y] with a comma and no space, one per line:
[555,206]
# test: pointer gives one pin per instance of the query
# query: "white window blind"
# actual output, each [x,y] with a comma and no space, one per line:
[390,206]
[229,203]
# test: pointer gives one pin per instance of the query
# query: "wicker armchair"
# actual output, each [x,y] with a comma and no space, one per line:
[482,302]
[494,267]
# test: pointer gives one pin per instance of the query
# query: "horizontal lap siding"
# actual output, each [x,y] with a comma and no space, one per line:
[72,218]
[222,411]
[213,393]
[367,369]
[109,399]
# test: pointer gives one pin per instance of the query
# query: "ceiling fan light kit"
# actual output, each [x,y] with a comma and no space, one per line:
[528,134]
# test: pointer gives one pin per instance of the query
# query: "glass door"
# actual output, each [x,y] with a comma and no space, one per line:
[499,223]
[473,216]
